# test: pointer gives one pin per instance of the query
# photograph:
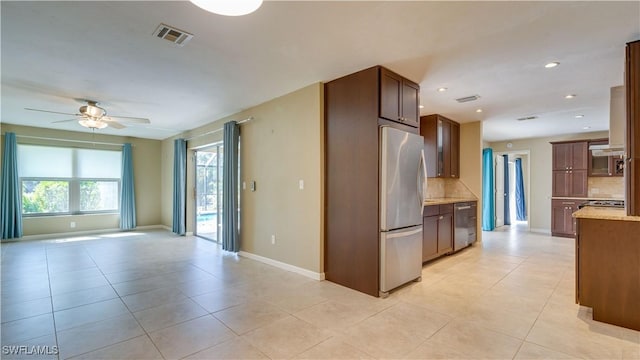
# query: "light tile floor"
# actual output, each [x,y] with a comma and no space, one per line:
[155,295]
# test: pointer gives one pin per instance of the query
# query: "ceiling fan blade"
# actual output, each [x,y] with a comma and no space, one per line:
[115,124]
[62,121]
[52,112]
[132,119]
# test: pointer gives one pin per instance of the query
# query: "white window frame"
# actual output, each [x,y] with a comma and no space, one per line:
[74,189]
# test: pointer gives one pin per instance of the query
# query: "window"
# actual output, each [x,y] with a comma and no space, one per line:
[58,180]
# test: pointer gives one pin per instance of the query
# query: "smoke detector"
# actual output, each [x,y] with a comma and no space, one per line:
[172,34]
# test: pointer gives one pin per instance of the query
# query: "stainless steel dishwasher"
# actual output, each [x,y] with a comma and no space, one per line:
[465,219]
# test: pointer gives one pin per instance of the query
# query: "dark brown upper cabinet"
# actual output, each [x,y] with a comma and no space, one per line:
[441,146]
[399,98]
[570,163]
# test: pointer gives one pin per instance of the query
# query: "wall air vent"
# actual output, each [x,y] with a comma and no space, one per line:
[525,118]
[169,33]
[468,98]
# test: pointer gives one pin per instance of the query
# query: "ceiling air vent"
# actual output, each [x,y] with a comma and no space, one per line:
[468,98]
[169,33]
[527,118]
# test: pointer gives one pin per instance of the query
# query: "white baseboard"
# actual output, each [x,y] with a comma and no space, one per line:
[540,231]
[82,233]
[279,264]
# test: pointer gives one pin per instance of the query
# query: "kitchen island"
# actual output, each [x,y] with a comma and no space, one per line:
[608,265]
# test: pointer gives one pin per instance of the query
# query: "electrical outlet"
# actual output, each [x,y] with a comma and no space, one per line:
[273,239]
[301,184]
[244,185]
[72,224]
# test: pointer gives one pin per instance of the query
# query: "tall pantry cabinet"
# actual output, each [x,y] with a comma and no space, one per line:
[355,106]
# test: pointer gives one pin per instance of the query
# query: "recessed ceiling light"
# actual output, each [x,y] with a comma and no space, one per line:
[579,116]
[552,64]
[586,128]
[570,96]
[478,110]
[442,89]
[421,106]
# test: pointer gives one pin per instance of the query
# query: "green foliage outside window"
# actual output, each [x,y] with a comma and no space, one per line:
[45,197]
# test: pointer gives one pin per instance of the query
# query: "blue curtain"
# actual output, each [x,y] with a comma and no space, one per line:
[230,193]
[127,192]
[179,186]
[488,200]
[521,209]
[10,193]
[507,210]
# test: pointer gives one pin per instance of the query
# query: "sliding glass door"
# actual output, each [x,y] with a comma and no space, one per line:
[209,192]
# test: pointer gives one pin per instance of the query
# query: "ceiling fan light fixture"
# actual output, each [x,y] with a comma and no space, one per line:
[228,7]
[93,123]
[92,111]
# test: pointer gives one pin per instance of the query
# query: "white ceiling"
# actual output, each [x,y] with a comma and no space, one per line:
[56,53]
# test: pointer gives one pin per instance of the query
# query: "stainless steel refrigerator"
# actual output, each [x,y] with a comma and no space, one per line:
[402,188]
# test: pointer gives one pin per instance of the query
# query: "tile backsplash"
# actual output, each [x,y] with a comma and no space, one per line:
[441,188]
[606,187]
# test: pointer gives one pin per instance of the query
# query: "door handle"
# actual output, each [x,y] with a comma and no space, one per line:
[463,207]
[422,179]
[404,233]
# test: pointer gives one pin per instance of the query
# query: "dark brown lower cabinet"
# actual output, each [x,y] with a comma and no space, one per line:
[608,270]
[437,233]
[562,221]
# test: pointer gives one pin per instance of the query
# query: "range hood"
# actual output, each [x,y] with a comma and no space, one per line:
[617,126]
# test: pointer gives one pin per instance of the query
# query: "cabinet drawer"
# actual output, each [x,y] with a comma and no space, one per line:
[446,208]
[431,210]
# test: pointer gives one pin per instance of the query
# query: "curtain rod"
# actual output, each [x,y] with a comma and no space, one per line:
[216,130]
[67,140]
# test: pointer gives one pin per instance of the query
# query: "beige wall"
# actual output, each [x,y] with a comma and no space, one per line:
[279,147]
[471,163]
[540,177]
[146,162]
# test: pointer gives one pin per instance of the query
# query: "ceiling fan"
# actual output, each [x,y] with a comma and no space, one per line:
[94,117]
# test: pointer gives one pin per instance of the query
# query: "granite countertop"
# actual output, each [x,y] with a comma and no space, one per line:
[604,213]
[447,200]
[586,199]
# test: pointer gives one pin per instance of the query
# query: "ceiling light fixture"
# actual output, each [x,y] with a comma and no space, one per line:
[478,110]
[421,106]
[579,116]
[552,64]
[586,128]
[442,89]
[228,7]
[570,96]
[93,123]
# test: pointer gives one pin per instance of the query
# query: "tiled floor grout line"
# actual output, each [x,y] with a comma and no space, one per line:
[53,316]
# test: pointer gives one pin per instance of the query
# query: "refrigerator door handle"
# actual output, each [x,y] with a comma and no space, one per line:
[403,233]
[422,179]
